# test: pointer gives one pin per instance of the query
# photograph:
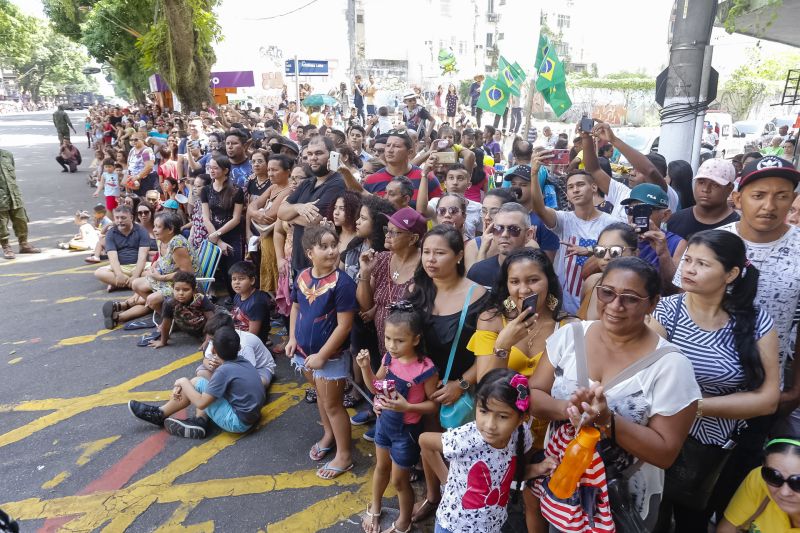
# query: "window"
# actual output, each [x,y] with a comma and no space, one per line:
[543,19]
[563,50]
[563,21]
[501,36]
[360,19]
[489,40]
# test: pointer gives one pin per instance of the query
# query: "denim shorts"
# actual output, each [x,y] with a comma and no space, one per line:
[440,529]
[221,412]
[332,370]
[402,440]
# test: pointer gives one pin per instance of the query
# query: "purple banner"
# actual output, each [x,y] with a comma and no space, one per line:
[219,80]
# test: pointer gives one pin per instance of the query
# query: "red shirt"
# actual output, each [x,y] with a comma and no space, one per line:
[376,183]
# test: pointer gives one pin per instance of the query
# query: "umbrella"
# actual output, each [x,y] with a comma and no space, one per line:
[319,100]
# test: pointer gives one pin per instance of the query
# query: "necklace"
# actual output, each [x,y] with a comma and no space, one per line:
[533,336]
[396,272]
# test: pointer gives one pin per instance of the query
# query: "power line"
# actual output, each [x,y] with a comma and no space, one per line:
[288,12]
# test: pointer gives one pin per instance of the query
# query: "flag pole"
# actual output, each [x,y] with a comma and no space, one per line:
[529,108]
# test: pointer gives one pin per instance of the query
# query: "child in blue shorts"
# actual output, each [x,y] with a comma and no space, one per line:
[232,399]
[324,304]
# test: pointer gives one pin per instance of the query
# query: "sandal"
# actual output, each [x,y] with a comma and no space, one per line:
[110,315]
[318,453]
[350,400]
[311,395]
[374,527]
[425,509]
[395,529]
[92,260]
[336,472]
[144,323]
[144,342]
[415,474]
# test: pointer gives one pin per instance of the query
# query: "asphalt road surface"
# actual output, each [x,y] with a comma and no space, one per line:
[72,457]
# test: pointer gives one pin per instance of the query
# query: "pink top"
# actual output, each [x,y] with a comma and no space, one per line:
[409,372]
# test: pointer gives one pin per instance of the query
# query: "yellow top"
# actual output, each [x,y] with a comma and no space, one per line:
[482,343]
[746,502]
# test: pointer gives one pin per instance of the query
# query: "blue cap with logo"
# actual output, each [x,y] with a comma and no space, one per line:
[649,194]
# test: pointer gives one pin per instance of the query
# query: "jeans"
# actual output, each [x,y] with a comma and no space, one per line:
[73,164]
[516,119]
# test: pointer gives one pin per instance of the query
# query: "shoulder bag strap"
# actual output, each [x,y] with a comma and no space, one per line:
[747,523]
[638,366]
[454,347]
[579,344]
[675,317]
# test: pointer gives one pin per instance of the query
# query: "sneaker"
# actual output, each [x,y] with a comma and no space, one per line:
[191,428]
[363,417]
[369,436]
[146,412]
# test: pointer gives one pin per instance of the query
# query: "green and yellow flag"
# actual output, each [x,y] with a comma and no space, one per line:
[541,51]
[551,71]
[558,98]
[551,77]
[512,75]
[494,96]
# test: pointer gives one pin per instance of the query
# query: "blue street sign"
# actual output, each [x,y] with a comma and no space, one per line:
[307,67]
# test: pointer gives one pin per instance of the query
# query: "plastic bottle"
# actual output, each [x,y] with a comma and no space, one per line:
[577,458]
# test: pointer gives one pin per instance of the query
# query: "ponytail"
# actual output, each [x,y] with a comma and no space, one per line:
[519,471]
[730,251]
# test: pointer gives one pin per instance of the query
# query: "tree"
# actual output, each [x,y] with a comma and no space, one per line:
[15,41]
[756,80]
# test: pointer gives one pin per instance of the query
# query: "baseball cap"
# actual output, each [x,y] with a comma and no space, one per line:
[170,204]
[410,96]
[648,193]
[720,171]
[522,171]
[382,138]
[409,219]
[769,167]
[288,143]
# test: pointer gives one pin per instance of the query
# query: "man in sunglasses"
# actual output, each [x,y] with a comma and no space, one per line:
[662,249]
[511,230]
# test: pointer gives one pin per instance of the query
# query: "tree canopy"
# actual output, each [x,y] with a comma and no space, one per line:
[755,80]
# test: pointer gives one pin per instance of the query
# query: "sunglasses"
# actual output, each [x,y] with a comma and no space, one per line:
[145,212]
[442,211]
[397,132]
[774,478]
[614,251]
[513,230]
[608,295]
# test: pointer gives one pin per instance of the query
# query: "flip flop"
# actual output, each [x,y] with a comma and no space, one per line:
[109,320]
[318,453]
[144,342]
[145,323]
[336,471]
[426,508]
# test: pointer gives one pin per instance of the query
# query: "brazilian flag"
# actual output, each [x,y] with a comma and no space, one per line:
[551,78]
[512,75]
[494,96]
[558,98]
[551,71]
[541,51]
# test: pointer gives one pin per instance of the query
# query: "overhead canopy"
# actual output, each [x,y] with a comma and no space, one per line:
[218,80]
[766,19]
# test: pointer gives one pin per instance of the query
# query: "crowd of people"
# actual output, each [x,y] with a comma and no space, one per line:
[477,317]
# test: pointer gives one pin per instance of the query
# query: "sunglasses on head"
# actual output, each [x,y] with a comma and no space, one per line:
[397,132]
[614,251]
[442,211]
[513,230]
[608,295]
[773,478]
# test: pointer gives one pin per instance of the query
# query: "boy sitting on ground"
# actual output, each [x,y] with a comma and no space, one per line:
[252,349]
[232,399]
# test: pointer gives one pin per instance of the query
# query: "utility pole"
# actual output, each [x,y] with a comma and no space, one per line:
[687,81]
[351,34]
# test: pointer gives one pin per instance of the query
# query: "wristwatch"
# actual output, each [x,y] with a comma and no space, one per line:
[463,383]
[501,353]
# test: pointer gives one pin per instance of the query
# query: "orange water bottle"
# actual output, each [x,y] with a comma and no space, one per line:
[577,458]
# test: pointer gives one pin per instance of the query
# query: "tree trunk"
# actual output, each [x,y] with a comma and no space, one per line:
[191,68]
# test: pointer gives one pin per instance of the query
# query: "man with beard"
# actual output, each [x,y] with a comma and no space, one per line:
[313,196]
[236,142]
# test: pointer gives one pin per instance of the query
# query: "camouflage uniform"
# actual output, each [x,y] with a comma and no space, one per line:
[11,206]
[63,124]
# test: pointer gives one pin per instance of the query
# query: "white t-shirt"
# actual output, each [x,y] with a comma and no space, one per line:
[570,228]
[778,263]
[664,388]
[252,350]
[473,223]
[617,192]
[479,483]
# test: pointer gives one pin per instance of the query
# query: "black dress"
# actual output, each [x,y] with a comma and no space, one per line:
[440,331]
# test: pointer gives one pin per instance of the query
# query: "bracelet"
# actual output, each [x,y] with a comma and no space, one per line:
[699,408]
[605,429]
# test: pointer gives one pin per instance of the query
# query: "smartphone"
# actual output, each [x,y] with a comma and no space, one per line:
[641,217]
[560,157]
[448,157]
[587,124]
[333,161]
[531,301]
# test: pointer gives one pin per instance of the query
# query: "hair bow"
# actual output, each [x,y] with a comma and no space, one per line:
[400,305]
[520,383]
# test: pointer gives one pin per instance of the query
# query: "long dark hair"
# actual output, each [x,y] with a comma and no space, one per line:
[680,175]
[499,292]
[424,289]
[731,252]
[379,210]
[404,312]
[496,385]
[228,190]
[625,232]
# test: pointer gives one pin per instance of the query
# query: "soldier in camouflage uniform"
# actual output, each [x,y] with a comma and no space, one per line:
[12,208]
[63,124]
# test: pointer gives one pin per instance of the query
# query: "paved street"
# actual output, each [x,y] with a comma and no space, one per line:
[71,455]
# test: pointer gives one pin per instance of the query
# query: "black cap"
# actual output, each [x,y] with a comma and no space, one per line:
[283,141]
[523,171]
[382,138]
[769,167]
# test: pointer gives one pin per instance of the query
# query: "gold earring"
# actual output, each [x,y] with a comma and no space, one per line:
[552,302]
[509,304]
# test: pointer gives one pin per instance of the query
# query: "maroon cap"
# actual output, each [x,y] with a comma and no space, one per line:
[408,219]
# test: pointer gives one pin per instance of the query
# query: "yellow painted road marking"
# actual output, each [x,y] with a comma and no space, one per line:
[15,361]
[91,448]
[82,339]
[175,522]
[61,476]
[70,299]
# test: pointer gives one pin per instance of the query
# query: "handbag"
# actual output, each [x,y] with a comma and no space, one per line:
[462,411]
[691,479]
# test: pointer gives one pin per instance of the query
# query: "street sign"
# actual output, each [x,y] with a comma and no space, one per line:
[307,67]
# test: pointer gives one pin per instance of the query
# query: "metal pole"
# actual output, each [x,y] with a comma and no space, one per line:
[691,35]
[698,127]
[297,82]
[529,108]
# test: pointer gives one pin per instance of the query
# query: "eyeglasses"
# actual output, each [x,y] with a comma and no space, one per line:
[614,251]
[492,212]
[608,295]
[513,230]
[442,211]
[392,233]
[143,212]
[774,478]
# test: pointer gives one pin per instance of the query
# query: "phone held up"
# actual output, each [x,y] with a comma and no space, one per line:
[641,217]
[530,302]
[333,161]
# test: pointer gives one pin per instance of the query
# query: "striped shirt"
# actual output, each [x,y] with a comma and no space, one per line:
[714,358]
